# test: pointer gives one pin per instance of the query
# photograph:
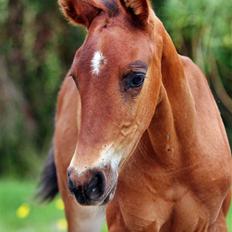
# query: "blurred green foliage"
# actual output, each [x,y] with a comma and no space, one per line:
[36,50]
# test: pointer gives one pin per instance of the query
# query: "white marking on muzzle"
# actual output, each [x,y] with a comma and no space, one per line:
[97,61]
[109,156]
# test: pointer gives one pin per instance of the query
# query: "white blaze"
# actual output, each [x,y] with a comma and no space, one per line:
[97,61]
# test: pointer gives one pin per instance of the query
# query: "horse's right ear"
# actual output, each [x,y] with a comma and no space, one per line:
[79,11]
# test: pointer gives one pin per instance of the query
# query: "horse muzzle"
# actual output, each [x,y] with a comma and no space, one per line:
[95,186]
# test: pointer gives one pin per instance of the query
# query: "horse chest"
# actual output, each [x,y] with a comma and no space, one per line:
[160,215]
[163,204]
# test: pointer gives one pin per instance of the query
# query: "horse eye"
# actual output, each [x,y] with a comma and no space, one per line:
[133,80]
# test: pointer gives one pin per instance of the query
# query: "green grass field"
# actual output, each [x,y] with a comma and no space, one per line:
[20,213]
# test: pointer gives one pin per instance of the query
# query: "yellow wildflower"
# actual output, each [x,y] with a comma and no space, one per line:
[23,211]
[59,204]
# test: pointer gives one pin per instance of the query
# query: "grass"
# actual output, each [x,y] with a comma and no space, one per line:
[20,213]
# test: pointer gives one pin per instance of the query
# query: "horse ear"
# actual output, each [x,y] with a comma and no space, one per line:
[138,9]
[79,11]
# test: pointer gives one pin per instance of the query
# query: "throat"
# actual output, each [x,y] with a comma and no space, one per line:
[173,126]
[163,136]
[165,143]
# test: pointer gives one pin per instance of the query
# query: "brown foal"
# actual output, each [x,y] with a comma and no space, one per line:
[137,129]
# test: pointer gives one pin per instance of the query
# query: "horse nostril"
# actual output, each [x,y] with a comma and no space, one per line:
[87,188]
[96,187]
[69,171]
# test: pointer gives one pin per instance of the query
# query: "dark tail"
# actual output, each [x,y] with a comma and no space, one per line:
[48,186]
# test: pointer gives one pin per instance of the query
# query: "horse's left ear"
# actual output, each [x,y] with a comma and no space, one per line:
[138,9]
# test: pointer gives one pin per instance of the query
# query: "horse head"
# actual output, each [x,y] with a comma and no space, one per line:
[117,72]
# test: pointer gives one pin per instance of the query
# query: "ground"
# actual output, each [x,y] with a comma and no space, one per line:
[20,212]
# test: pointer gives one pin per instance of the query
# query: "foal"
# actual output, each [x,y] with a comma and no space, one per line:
[137,126]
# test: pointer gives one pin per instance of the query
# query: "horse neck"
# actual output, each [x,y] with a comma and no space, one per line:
[172,129]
